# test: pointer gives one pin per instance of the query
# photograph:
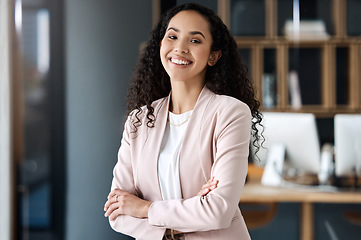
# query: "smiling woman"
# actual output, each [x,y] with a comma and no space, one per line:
[186,50]
[183,158]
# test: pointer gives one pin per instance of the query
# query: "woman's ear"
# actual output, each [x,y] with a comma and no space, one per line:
[214,57]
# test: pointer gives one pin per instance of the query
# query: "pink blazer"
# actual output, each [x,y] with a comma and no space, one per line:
[216,143]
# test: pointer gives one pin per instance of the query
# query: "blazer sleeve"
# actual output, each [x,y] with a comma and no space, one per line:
[123,179]
[217,209]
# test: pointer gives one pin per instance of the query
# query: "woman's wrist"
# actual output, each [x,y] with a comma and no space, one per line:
[146,209]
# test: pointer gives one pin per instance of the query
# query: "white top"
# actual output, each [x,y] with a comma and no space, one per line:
[168,162]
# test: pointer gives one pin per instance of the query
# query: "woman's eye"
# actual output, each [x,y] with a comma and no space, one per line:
[195,41]
[172,37]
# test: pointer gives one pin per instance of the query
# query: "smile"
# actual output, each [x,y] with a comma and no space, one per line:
[180,61]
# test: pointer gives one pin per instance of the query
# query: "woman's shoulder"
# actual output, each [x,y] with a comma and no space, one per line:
[225,103]
[223,111]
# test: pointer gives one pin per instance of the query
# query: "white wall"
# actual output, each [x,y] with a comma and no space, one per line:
[102,43]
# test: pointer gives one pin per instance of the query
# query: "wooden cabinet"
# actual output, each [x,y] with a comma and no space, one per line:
[325,67]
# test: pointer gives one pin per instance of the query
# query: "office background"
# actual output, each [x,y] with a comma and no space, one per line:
[98,51]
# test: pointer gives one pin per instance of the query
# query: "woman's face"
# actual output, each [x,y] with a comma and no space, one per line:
[186,47]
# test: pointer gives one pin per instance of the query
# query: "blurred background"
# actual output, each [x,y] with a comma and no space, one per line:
[70,63]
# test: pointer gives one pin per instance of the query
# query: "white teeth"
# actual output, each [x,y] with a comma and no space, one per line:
[179,61]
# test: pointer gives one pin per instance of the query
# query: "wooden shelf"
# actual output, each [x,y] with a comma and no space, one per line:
[328,77]
[328,104]
[257,40]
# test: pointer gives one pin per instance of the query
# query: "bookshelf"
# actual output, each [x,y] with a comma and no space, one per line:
[326,64]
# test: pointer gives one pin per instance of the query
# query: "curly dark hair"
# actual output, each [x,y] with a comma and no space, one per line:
[229,76]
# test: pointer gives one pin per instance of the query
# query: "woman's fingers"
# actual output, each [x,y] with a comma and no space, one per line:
[111,209]
[208,186]
[114,214]
[112,198]
[116,191]
[109,202]
[212,184]
[123,203]
[203,192]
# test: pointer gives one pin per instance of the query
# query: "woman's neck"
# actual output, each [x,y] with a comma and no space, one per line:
[183,97]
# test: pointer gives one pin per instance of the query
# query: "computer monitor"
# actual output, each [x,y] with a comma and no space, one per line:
[347,144]
[297,132]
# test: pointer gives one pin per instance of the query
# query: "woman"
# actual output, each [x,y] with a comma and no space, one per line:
[190,107]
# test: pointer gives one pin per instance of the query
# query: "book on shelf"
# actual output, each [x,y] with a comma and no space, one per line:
[269,96]
[306,30]
[294,90]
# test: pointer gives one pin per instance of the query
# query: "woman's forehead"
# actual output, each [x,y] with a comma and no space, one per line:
[190,21]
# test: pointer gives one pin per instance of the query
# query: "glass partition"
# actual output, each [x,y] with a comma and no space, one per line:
[269,79]
[245,54]
[342,78]
[248,17]
[353,18]
[304,76]
[212,4]
[40,174]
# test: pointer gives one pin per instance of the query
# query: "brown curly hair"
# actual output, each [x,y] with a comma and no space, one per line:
[228,77]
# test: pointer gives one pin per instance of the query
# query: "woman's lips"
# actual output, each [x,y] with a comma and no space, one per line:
[180,61]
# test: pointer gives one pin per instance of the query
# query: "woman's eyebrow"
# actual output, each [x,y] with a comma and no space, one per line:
[197,32]
[191,33]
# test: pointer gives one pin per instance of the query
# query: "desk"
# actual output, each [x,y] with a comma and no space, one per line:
[255,192]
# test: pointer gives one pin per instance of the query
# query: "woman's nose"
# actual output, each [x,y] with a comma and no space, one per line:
[181,47]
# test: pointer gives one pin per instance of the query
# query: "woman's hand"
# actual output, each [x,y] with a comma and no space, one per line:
[123,203]
[207,187]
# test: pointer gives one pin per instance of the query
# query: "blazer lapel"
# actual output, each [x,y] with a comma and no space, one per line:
[150,153]
[191,170]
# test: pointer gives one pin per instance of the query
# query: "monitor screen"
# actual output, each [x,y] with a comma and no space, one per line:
[298,133]
[347,144]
